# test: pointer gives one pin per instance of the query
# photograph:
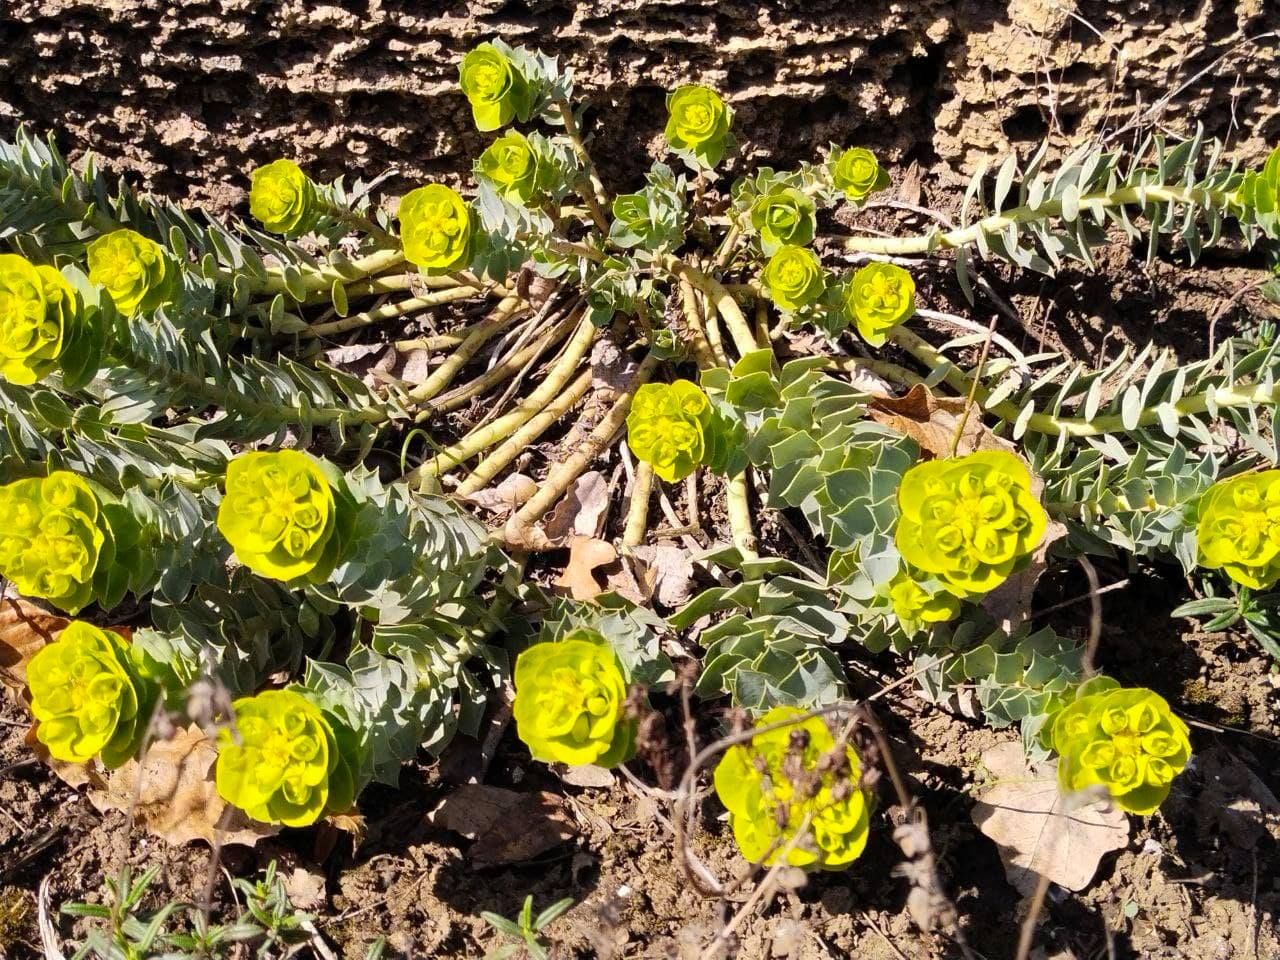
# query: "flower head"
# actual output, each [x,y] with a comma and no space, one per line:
[52,534]
[570,704]
[435,226]
[788,776]
[666,427]
[855,171]
[284,198]
[511,165]
[970,521]
[1260,194]
[87,696]
[279,515]
[793,277]
[914,604]
[878,297]
[1239,528]
[698,123]
[494,85]
[279,761]
[1124,738]
[783,217]
[37,306]
[133,269]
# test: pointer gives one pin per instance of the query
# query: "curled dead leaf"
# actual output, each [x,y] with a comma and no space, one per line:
[932,422]
[1038,830]
[507,497]
[171,791]
[583,510]
[585,555]
[24,629]
[507,826]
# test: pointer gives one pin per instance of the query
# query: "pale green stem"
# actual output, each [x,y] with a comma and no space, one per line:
[929,242]
[596,198]
[514,445]
[743,337]
[567,471]
[546,393]
[482,334]
[638,508]
[388,311]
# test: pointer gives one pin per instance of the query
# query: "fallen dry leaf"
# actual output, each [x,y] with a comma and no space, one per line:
[585,555]
[665,573]
[932,421]
[24,629]
[507,826]
[171,791]
[507,497]
[588,775]
[582,511]
[1036,829]
[306,888]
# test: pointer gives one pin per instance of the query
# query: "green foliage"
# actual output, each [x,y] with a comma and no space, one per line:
[526,929]
[653,219]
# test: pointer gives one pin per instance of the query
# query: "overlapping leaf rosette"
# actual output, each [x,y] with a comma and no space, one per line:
[969,521]
[284,199]
[698,122]
[784,216]
[793,792]
[877,298]
[511,165]
[281,516]
[44,325]
[793,278]
[285,761]
[436,229]
[1259,195]
[89,696]
[137,273]
[856,173]
[570,703]
[1126,739]
[1238,528]
[62,542]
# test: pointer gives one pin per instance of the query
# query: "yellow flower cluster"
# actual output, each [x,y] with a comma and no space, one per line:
[915,606]
[969,521]
[494,86]
[793,277]
[282,762]
[284,198]
[666,427]
[1238,530]
[856,172]
[52,535]
[1123,738]
[878,297]
[698,123]
[435,228]
[511,165]
[87,696]
[570,704]
[37,312]
[793,784]
[279,515]
[135,270]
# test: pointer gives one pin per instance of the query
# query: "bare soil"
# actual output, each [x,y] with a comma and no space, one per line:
[186,98]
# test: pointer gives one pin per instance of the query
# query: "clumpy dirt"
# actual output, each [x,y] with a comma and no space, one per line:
[187,97]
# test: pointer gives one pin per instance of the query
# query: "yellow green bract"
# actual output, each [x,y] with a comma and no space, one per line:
[1260,189]
[284,198]
[1239,528]
[435,227]
[1127,740]
[277,762]
[878,297]
[856,172]
[133,269]
[36,308]
[87,696]
[510,164]
[698,123]
[785,216]
[279,514]
[493,85]
[51,537]
[571,701]
[782,776]
[793,277]
[666,427]
[970,521]
[914,605]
